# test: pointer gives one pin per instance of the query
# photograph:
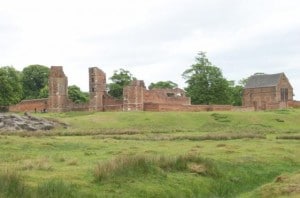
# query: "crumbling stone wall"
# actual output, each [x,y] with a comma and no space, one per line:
[58,90]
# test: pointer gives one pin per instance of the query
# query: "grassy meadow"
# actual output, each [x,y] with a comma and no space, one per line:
[155,154]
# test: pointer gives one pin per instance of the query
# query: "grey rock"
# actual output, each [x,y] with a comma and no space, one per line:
[14,122]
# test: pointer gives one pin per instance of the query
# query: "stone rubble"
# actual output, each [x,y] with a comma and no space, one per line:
[14,122]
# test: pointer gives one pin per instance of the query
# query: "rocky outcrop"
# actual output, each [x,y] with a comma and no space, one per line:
[14,122]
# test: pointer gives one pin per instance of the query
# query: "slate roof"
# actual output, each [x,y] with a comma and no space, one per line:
[263,80]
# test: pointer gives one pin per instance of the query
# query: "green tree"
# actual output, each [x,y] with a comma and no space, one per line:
[10,86]
[44,92]
[243,82]
[163,85]
[34,78]
[206,84]
[76,95]
[235,92]
[120,79]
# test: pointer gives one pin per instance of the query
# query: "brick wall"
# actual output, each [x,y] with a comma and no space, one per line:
[166,96]
[30,105]
[294,104]
[58,90]
[284,83]
[97,84]
[78,106]
[268,98]
[259,97]
[134,96]
[151,106]
[188,108]
[243,108]
[112,104]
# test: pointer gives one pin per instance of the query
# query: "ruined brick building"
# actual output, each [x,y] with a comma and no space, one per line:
[261,92]
[136,96]
[268,91]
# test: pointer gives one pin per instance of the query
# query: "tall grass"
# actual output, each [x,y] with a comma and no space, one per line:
[142,164]
[11,185]
[159,137]
[225,179]
[239,178]
[56,189]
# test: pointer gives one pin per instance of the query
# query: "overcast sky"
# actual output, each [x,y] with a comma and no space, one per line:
[154,39]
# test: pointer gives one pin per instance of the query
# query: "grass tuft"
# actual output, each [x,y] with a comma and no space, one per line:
[39,164]
[56,188]
[73,162]
[220,117]
[11,185]
[143,164]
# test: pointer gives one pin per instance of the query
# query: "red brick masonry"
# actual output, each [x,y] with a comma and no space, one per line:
[137,98]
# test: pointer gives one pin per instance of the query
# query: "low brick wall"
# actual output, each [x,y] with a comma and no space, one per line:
[112,104]
[188,108]
[243,108]
[78,107]
[272,106]
[151,107]
[117,107]
[221,107]
[35,105]
[294,104]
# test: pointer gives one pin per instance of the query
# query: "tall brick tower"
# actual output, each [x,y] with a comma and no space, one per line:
[133,96]
[58,90]
[97,89]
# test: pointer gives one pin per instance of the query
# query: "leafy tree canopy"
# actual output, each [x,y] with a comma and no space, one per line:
[34,78]
[120,79]
[235,93]
[44,92]
[10,86]
[76,95]
[206,84]
[163,85]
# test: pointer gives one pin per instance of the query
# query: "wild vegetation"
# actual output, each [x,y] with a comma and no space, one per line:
[155,154]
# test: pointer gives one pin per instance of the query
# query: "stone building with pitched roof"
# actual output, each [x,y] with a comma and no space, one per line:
[267,91]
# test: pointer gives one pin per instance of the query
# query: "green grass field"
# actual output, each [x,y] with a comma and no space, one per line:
[155,154]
